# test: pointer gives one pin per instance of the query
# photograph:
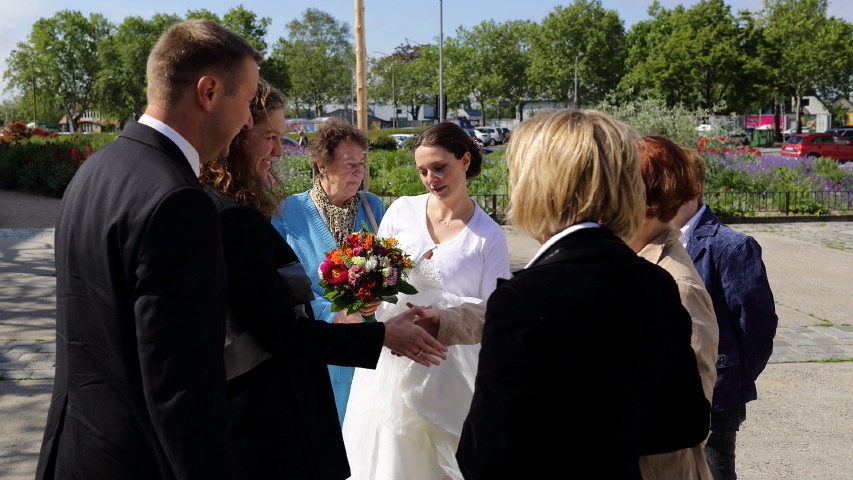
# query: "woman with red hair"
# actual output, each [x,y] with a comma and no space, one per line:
[668,174]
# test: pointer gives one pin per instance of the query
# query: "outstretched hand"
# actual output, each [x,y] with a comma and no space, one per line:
[405,338]
[426,318]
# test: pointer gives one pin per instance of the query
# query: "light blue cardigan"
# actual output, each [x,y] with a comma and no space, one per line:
[305,231]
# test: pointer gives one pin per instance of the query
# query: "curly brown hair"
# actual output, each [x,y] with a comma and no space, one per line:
[335,131]
[233,175]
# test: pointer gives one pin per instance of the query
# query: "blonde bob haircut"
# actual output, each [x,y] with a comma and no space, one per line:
[573,166]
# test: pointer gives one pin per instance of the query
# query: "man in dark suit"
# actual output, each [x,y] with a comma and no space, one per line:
[730,264]
[140,382]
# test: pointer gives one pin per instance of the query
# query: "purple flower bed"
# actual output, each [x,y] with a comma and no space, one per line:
[746,184]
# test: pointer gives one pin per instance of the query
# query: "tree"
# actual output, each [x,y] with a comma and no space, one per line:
[492,61]
[248,25]
[702,57]
[814,53]
[583,32]
[320,55]
[406,77]
[61,56]
[120,83]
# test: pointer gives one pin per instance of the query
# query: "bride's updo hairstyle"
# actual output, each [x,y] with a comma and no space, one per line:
[452,138]
[573,166]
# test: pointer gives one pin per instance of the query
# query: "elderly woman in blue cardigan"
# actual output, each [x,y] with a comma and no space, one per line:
[313,221]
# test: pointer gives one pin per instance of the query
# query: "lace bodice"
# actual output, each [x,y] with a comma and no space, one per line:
[424,276]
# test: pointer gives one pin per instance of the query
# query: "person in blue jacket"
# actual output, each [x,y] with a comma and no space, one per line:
[314,221]
[730,264]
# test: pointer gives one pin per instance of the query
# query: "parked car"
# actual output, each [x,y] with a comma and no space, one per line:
[724,145]
[507,132]
[787,133]
[401,138]
[496,134]
[291,146]
[483,137]
[818,145]
[843,131]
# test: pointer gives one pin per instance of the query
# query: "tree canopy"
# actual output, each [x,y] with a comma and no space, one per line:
[703,57]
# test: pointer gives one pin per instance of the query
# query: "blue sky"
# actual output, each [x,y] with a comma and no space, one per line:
[388,23]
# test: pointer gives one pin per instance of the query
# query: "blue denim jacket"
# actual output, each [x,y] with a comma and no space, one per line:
[730,264]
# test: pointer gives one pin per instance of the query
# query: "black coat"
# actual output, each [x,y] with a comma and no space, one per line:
[283,418]
[585,364]
[139,390]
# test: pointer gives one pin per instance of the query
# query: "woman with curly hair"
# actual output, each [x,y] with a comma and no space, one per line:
[282,417]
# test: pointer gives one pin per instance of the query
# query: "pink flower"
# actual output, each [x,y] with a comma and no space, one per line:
[333,273]
[355,273]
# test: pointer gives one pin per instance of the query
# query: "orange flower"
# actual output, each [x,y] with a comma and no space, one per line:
[353,239]
[336,256]
[367,241]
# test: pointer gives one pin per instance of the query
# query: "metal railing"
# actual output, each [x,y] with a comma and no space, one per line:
[494,204]
[728,204]
[820,202]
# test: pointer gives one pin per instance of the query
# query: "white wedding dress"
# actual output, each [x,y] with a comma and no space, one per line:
[404,420]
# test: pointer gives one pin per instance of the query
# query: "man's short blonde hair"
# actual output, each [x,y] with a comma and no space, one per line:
[573,166]
[189,50]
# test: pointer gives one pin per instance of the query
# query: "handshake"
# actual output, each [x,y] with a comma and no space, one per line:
[460,325]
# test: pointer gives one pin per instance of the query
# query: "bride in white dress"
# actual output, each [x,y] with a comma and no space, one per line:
[403,420]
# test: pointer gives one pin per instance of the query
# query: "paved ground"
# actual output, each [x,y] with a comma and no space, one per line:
[799,428]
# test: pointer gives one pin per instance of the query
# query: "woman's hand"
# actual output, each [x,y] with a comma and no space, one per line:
[369,308]
[342,317]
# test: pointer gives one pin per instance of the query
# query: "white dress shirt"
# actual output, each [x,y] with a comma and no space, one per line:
[687,229]
[186,147]
[557,237]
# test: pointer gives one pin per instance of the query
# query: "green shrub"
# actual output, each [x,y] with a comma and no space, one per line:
[383,143]
[295,173]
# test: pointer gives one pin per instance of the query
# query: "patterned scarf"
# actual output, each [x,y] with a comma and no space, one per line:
[340,220]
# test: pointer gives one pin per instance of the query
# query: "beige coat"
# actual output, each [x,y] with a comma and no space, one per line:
[667,252]
[462,325]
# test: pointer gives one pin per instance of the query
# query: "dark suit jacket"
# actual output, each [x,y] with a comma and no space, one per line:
[730,264]
[139,389]
[284,421]
[585,364]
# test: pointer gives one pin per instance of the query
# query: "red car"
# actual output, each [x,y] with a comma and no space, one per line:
[725,145]
[818,145]
[291,146]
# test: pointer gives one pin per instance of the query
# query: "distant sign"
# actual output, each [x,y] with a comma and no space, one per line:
[755,121]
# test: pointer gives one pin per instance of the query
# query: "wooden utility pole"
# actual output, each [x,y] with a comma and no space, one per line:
[361,77]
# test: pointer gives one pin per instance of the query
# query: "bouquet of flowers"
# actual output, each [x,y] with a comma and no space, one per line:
[364,268]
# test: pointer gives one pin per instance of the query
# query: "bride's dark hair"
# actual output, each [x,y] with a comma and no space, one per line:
[452,138]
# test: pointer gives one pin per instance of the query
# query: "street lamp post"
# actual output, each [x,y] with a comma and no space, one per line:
[33,78]
[394,123]
[440,61]
[576,77]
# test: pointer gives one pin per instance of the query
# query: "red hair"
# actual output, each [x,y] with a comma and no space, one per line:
[669,175]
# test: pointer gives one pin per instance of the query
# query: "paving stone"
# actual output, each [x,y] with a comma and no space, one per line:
[34,357]
[43,365]
[45,374]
